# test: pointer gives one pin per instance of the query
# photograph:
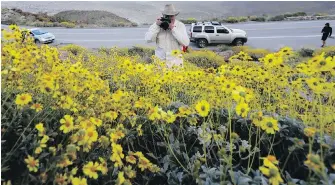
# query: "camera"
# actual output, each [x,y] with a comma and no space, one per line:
[165,22]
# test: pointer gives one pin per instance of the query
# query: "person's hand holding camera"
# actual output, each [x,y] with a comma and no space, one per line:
[171,25]
[158,21]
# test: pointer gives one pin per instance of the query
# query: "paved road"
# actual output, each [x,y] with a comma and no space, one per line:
[273,35]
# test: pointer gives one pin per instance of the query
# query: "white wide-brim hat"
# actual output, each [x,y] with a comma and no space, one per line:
[169,9]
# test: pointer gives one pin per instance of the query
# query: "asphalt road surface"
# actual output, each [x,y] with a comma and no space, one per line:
[272,35]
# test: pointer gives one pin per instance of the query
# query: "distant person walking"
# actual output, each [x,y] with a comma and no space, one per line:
[326,32]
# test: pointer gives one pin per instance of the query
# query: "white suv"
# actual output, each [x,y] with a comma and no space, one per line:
[204,33]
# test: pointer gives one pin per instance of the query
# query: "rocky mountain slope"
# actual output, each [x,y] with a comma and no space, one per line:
[146,11]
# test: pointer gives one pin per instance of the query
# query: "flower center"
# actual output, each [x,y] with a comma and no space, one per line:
[242,94]
[93,169]
[32,163]
[273,172]
[67,124]
[322,63]
[269,124]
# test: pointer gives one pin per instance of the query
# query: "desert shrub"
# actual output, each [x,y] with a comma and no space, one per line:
[37,24]
[224,47]
[242,19]
[42,24]
[257,18]
[320,14]
[215,19]
[328,50]
[306,52]
[141,51]
[134,24]
[10,22]
[189,21]
[49,24]
[238,49]
[57,24]
[204,59]
[277,18]
[17,10]
[43,17]
[297,14]
[254,53]
[282,17]
[114,50]
[258,53]
[294,60]
[74,49]
[144,52]
[231,20]
[67,24]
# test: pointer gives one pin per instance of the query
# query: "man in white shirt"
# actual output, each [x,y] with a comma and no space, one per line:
[173,38]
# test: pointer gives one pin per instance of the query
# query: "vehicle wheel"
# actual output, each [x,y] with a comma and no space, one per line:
[202,43]
[239,42]
[37,41]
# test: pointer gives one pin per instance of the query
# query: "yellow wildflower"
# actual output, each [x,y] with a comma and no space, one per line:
[91,169]
[23,99]
[78,181]
[131,159]
[129,172]
[203,108]
[64,162]
[36,106]
[271,171]
[61,179]
[269,125]
[40,128]
[242,109]
[67,124]
[143,163]
[120,178]
[96,121]
[32,164]
[310,131]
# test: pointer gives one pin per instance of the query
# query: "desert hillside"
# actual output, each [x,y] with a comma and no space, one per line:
[144,12]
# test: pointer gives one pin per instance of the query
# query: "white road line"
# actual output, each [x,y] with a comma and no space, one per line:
[105,33]
[283,28]
[94,29]
[278,22]
[281,37]
[125,40]
[115,40]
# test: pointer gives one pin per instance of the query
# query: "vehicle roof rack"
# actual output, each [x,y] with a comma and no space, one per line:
[209,23]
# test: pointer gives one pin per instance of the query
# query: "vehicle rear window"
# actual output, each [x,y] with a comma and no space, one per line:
[197,29]
[209,29]
[221,30]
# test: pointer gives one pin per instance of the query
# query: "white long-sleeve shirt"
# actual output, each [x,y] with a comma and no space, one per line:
[168,40]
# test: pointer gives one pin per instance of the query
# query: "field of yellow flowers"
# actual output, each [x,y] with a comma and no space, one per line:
[111,118]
